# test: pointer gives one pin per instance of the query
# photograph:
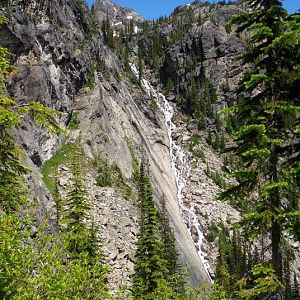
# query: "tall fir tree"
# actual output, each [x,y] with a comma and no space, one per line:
[174,272]
[149,266]
[77,206]
[264,139]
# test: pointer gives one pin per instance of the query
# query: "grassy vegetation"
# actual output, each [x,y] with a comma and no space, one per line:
[62,156]
[90,80]
[111,176]
[213,233]
[199,154]
[216,177]
[153,104]
[134,160]
[74,123]
[194,140]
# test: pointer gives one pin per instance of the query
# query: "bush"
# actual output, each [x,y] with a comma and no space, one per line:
[74,122]
[104,178]
[199,154]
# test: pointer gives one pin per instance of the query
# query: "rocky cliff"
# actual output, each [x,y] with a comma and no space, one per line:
[58,49]
[117,14]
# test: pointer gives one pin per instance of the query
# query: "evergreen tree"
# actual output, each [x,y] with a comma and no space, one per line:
[78,207]
[150,267]
[174,271]
[140,65]
[103,178]
[58,203]
[108,33]
[263,138]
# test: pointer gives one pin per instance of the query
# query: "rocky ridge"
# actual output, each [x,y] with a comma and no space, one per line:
[118,16]
[211,48]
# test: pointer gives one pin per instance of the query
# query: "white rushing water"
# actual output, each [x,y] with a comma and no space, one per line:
[180,167]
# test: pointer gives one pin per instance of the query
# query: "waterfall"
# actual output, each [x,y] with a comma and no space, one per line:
[180,166]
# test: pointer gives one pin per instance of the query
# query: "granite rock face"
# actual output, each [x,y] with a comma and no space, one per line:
[54,48]
[118,15]
[212,50]
[56,44]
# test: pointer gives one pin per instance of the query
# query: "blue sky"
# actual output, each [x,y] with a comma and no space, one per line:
[156,8]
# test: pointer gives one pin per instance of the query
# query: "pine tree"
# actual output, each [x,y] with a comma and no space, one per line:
[174,271]
[140,65]
[58,202]
[150,265]
[108,33]
[78,207]
[263,138]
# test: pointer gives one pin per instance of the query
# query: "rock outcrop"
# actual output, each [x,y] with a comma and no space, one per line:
[117,15]
[210,48]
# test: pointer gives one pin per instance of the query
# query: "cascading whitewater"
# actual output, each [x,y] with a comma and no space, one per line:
[180,166]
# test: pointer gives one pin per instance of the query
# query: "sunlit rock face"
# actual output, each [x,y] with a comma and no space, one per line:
[118,16]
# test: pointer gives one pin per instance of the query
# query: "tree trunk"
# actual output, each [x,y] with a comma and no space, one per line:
[276,226]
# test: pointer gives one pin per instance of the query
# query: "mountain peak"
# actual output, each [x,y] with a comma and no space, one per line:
[115,12]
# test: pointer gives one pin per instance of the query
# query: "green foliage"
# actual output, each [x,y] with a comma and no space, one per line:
[174,272]
[267,115]
[154,105]
[62,156]
[214,232]
[103,178]
[140,64]
[194,140]
[74,122]
[40,269]
[111,175]
[77,204]
[134,160]
[150,265]
[199,154]
[152,43]
[216,177]
[156,270]
[108,33]
[198,101]
[264,280]
[169,85]
[90,79]
[4,3]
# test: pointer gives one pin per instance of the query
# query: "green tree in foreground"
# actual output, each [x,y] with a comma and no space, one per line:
[268,116]
[78,206]
[40,268]
[174,273]
[152,279]
[149,266]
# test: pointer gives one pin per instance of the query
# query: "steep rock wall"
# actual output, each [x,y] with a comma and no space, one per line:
[55,48]
[210,49]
